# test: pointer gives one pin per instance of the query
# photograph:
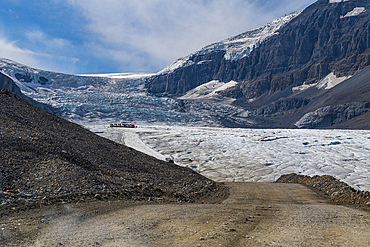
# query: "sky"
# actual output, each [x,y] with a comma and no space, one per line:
[112,36]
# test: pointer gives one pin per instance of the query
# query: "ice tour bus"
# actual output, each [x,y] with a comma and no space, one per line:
[122,126]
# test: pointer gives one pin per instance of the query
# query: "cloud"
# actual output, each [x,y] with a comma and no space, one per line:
[36,59]
[11,50]
[50,44]
[158,32]
[13,13]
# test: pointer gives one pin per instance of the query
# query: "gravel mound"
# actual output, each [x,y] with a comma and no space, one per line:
[336,190]
[46,159]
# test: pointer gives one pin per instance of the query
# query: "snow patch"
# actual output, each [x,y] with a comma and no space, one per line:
[331,81]
[303,87]
[131,139]
[208,90]
[338,1]
[328,82]
[355,12]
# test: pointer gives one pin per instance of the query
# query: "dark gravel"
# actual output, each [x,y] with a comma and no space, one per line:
[331,187]
[45,159]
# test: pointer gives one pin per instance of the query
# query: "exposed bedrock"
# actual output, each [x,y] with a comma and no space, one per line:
[281,107]
[330,115]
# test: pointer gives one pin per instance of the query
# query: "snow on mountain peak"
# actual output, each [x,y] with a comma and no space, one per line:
[238,46]
[338,1]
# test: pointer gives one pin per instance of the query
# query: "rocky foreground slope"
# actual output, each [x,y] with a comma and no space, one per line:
[336,190]
[46,160]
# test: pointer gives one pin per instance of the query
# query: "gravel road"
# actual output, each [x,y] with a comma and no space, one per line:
[255,214]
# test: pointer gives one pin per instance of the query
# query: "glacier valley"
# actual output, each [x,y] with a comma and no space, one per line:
[191,132]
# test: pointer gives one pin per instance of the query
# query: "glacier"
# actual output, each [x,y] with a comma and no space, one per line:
[255,155]
[110,98]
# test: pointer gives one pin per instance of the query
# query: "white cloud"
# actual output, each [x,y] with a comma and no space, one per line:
[46,61]
[48,44]
[11,50]
[164,30]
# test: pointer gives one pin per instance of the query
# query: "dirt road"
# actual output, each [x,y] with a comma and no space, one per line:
[255,214]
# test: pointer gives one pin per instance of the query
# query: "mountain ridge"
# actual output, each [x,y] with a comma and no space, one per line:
[280,75]
[295,56]
[327,41]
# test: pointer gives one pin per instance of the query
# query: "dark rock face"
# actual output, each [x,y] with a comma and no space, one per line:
[186,78]
[330,115]
[311,46]
[22,77]
[280,107]
[307,49]
[29,78]
[326,37]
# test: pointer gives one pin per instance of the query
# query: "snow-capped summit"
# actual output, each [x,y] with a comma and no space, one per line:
[238,46]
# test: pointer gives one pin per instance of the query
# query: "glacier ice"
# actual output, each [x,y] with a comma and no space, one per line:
[243,155]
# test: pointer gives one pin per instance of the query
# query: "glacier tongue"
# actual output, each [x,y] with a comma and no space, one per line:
[263,155]
[111,98]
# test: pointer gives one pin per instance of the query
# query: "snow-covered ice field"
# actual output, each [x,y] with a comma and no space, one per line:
[255,154]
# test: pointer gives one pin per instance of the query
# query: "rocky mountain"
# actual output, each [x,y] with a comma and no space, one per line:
[212,61]
[315,50]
